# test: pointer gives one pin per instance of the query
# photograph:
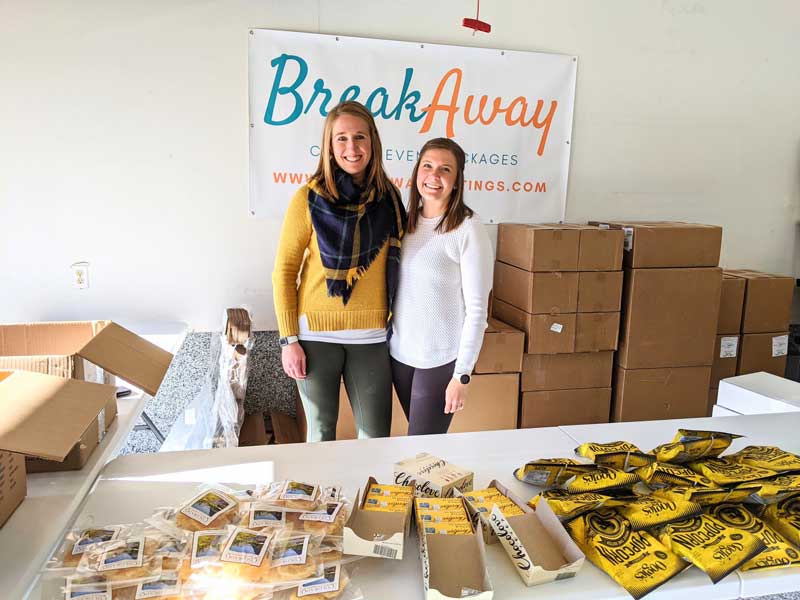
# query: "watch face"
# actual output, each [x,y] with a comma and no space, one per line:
[283,341]
[464,379]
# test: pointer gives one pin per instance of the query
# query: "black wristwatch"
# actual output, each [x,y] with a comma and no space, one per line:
[285,341]
[462,378]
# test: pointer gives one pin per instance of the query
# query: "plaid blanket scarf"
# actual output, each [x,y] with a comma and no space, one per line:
[351,232]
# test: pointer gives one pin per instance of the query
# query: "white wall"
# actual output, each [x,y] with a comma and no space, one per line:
[123,135]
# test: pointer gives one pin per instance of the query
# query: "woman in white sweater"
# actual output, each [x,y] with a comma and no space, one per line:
[445,277]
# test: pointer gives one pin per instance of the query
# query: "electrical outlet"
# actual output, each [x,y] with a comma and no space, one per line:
[80,275]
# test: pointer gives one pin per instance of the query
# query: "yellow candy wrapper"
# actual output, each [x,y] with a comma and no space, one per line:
[602,478]
[447,528]
[715,548]
[379,489]
[438,503]
[779,552]
[784,517]
[724,471]
[567,506]
[708,496]
[617,455]
[689,445]
[647,512]
[767,457]
[483,495]
[549,472]
[772,490]
[660,475]
[442,516]
[634,559]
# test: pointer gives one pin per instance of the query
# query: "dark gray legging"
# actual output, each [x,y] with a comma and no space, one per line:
[367,378]
[422,395]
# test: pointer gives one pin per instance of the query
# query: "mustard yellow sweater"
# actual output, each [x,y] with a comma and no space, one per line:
[366,308]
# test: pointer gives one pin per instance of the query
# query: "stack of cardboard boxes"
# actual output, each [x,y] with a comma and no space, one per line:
[670,310]
[561,285]
[752,332]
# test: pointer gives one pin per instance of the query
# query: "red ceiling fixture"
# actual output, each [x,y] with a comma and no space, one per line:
[476,24]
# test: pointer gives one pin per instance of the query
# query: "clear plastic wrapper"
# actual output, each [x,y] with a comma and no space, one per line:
[549,472]
[68,554]
[212,507]
[334,584]
[294,495]
[132,559]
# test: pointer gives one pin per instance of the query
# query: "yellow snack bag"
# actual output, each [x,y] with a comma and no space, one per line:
[617,455]
[779,552]
[447,528]
[602,478]
[548,472]
[659,475]
[646,512]
[568,506]
[767,457]
[714,547]
[689,445]
[771,490]
[634,559]
[708,496]
[379,489]
[723,471]
[784,517]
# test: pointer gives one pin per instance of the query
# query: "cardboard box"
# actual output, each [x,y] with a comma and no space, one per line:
[536,542]
[94,434]
[599,291]
[492,404]
[767,301]
[660,244]
[536,293]
[669,317]
[434,477]
[566,371]
[665,393]
[538,247]
[763,352]
[759,393]
[42,416]
[373,533]
[731,303]
[726,357]
[595,332]
[502,349]
[452,564]
[75,349]
[13,484]
[600,248]
[544,334]
[565,407]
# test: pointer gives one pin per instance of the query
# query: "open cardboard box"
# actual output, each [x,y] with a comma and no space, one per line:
[43,416]
[433,477]
[454,566]
[75,349]
[536,542]
[373,533]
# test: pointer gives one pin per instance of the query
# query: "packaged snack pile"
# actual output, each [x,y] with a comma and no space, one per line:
[643,517]
[280,542]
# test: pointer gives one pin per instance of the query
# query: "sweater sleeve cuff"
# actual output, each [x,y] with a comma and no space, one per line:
[287,323]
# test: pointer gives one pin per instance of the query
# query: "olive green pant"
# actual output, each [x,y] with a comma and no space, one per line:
[367,379]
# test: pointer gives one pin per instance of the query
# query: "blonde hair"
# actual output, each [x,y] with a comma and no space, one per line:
[374,175]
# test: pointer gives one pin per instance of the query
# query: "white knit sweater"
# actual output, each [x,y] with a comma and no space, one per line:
[440,308]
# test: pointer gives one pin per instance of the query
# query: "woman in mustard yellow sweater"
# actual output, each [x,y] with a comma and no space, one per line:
[347,223]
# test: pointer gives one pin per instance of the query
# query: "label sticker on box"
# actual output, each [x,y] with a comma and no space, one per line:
[246,547]
[290,551]
[127,554]
[329,582]
[207,506]
[94,536]
[780,345]
[169,584]
[728,347]
[628,245]
[557,327]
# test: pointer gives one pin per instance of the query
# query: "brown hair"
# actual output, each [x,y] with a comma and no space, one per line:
[374,175]
[456,210]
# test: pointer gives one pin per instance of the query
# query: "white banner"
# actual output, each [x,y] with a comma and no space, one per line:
[510,111]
